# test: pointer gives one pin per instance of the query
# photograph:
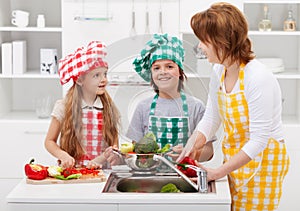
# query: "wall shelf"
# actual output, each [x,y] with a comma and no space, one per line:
[271,2]
[30,29]
[275,33]
[31,74]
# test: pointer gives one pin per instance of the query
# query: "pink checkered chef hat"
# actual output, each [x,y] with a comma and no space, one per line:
[83,60]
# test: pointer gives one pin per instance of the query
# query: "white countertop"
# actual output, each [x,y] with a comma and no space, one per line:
[91,193]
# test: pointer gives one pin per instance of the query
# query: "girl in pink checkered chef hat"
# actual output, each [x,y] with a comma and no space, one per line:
[86,119]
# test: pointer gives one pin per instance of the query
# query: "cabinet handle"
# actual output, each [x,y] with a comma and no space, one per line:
[34,132]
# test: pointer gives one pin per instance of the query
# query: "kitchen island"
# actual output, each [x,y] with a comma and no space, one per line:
[89,196]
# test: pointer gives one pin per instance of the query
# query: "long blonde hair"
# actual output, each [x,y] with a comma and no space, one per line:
[71,132]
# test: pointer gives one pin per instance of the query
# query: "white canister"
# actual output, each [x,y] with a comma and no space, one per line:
[40,22]
[48,59]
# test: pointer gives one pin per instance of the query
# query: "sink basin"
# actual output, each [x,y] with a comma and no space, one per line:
[128,182]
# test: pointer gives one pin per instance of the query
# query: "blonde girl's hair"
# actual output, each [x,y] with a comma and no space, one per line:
[71,132]
[226,29]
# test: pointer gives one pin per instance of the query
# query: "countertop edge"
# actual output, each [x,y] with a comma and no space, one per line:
[73,194]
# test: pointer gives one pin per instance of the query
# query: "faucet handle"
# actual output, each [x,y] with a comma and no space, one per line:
[195,168]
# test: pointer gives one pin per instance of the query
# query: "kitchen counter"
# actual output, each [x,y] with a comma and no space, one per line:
[89,195]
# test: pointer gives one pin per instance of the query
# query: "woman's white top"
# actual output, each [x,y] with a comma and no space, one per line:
[263,94]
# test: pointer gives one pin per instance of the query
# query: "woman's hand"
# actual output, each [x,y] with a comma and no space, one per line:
[212,174]
[194,147]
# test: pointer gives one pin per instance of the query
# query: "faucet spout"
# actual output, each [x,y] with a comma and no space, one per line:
[201,186]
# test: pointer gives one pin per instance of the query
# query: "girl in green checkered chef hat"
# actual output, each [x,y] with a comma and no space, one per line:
[160,47]
[171,115]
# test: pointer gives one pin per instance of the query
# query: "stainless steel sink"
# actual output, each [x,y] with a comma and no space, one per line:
[128,182]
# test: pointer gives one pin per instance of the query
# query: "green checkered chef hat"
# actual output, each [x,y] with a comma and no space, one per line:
[161,46]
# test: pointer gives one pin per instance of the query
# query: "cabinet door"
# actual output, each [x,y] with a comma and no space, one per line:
[21,141]
[6,186]
[290,199]
[189,8]
[55,206]
[175,207]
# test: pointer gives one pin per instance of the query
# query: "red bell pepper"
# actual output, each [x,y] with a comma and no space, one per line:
[35,171]
[187,171]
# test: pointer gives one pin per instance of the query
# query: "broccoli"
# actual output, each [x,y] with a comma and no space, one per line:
[147,144]
[169,188]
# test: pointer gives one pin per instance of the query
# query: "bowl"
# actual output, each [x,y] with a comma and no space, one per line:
[141,162]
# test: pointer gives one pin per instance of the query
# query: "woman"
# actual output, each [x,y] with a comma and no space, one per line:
[246,98]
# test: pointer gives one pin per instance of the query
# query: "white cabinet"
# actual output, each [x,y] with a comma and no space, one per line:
[279,44]
[290,200]
[6,185]
[19,92]
[21,141]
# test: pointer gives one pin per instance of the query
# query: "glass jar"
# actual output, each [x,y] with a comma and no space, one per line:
[289,23]
[265,24]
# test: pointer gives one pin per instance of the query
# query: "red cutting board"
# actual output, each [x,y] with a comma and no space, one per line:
[84,179]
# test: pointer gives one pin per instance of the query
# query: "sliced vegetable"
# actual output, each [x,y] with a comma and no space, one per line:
[84,171]
[72,176]
[35,171]
[54,171]
[187,171]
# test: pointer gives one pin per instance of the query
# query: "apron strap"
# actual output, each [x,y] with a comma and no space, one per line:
[241,76]
[184,105]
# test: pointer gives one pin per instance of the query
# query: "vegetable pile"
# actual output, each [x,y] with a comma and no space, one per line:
[146,145]
[40,172]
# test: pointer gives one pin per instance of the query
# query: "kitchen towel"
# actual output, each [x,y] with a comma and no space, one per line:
[6,58]
[19,57]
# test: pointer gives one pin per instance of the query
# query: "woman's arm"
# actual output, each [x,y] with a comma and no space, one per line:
[237,161]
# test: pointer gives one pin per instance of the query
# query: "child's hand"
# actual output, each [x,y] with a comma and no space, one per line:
[176,151]
[112,157]
[93,164]
[66,161]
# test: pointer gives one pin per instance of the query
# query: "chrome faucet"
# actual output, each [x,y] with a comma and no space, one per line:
[202,184]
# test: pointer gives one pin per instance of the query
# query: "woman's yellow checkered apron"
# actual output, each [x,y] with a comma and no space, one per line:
[258,184]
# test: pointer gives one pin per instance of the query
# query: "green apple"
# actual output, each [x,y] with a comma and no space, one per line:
[126,147]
